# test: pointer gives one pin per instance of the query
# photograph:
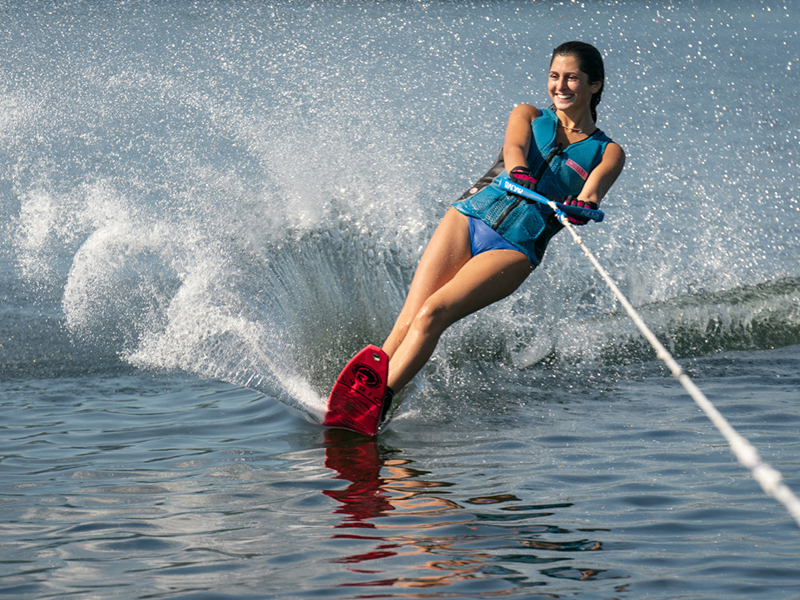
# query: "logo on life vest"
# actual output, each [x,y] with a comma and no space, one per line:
[577,168]
[367,375]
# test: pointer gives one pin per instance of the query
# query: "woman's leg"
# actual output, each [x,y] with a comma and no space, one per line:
[448,250]
[482,280]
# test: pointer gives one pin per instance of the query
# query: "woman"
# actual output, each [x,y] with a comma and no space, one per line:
[472,260]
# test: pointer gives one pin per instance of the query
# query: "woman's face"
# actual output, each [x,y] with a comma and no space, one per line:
[568,86]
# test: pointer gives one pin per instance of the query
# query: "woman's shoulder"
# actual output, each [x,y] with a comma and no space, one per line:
[526,110]
[606,141]
[614,155]
[602,137]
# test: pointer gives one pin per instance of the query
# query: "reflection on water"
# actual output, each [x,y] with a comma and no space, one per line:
[417,522]
[357,460]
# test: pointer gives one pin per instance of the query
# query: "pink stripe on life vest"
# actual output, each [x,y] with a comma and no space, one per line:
[577,168]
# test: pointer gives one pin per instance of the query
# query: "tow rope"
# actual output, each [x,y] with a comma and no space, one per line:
[770,480]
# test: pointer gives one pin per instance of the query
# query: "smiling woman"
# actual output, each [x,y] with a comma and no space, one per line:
[489,242]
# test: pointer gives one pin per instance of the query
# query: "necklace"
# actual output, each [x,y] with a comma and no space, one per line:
[575,129]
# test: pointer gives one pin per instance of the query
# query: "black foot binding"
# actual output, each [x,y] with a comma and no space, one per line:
[387,403]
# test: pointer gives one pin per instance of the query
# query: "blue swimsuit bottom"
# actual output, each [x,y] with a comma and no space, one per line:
[483,238]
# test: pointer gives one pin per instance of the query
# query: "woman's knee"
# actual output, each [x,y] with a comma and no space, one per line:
[433,318]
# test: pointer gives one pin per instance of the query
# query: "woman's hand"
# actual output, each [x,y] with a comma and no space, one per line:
[572,201]
[523,176]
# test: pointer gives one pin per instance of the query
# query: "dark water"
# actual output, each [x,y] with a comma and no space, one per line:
[208,207]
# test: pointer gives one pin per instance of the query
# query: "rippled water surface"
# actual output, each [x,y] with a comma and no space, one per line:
[207,207]
[133,486]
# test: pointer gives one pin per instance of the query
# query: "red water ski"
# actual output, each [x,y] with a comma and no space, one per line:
[356,399]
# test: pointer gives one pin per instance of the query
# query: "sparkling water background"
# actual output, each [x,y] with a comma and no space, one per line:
[207,207]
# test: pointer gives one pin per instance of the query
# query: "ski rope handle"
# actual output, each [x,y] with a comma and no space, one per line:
[575,211]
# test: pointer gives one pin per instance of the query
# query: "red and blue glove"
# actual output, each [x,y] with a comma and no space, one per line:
[522,176]
[573,201]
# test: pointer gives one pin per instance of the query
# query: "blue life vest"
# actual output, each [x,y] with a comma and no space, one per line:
[559,172]
[569,168]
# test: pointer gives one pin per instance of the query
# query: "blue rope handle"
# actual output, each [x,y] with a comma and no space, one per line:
[575,211]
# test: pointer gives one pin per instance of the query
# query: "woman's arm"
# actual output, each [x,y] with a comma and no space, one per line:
[603,175]
[518,136]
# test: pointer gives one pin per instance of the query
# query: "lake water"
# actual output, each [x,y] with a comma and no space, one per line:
[208,207]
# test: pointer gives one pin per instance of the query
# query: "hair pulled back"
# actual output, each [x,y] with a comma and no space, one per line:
[590,61]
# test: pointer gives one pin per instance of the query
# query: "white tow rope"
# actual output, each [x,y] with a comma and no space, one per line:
[770,480]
